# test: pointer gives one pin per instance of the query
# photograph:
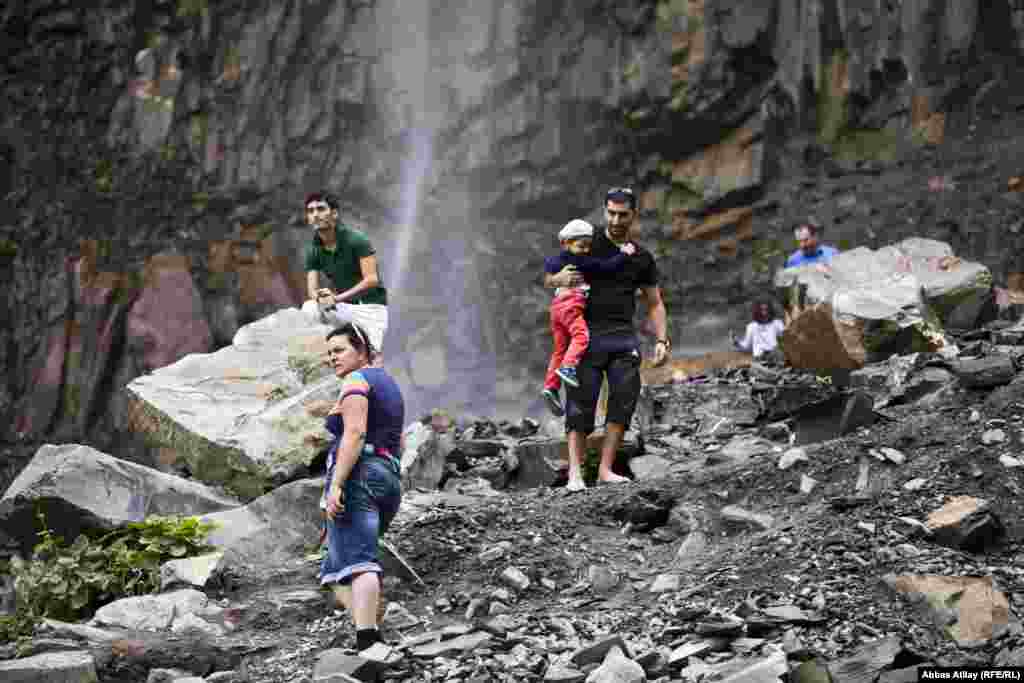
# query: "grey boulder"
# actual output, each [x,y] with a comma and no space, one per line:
[273,528]
[73,666]
[80,488]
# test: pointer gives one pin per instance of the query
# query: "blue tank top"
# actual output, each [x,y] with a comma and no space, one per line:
[385,415]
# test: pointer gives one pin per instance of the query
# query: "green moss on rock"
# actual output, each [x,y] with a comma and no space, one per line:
[668,11]
[680,198]
[308,367]
[8,250]
[208,462]
[304,434]
[946,304]
[72,399]
[866,145]
[832,113]
[766,254]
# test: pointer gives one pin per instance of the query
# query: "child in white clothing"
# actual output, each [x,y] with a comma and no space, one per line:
[763,332]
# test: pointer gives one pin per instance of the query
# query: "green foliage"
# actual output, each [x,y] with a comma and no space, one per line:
[72,399]
[104,248]
[591,463]
[767,254]
[216,282]
[8,249]
[631,72]
[200,200]
[680,198]
[17,628]
[679,102]
[159,103]
[860,145]
[263,231]
[636,117]
[833,117]
[66,582]
[919,136]
[193,8]
[668,11]
[129,288]
[831,107]
[232,58]
[199,126]
[306,367]
[168,152]
[103,175]
[276,394]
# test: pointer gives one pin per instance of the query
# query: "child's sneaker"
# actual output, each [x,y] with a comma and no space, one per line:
[554,404]
[568,375]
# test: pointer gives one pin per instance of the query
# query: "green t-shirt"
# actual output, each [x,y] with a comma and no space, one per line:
[342,264]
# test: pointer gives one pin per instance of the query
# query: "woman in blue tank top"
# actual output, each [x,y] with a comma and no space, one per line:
[363,487]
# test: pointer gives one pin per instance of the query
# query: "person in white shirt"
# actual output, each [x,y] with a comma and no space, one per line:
[763,332]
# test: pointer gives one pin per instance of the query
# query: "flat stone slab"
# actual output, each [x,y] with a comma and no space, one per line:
[965,522]
[241,416]
[73,666]
[151,612]
[453,647]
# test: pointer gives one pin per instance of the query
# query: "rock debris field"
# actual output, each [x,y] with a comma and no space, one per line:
[782,525]
[748,548]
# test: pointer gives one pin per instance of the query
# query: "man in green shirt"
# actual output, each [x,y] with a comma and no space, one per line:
[349,261]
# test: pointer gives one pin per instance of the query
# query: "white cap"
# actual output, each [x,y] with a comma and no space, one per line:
[575,229]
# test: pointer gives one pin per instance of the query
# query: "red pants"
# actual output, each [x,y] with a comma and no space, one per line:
[571,334]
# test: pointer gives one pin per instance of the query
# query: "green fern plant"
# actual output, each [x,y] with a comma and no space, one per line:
[63,581]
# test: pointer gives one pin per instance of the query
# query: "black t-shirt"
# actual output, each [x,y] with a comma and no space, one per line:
[612,302]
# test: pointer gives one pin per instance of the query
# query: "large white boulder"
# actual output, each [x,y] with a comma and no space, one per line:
[871,303]
[248,416]
[72,666]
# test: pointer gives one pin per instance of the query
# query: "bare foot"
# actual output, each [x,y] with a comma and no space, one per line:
[611,478]
[575,484]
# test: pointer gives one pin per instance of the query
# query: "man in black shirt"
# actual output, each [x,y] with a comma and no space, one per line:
[614,348]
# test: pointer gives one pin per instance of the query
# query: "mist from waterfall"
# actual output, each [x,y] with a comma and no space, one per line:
[415,167]
[438,344]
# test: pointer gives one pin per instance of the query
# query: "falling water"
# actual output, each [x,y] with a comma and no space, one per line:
[438,344]
[414,172]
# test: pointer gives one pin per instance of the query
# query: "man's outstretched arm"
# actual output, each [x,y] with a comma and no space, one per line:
[659,320]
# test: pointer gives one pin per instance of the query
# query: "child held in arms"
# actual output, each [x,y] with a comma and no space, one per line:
[568,326]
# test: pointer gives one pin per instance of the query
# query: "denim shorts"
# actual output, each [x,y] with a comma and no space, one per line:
[373,493]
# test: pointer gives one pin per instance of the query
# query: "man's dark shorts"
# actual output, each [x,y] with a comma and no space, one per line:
[618,356]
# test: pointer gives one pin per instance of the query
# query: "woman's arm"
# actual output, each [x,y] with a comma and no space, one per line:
[353,409]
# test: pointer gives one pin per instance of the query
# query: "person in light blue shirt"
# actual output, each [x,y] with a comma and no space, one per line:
[810,252]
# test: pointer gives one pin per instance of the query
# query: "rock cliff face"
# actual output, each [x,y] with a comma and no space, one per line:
[155,155]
